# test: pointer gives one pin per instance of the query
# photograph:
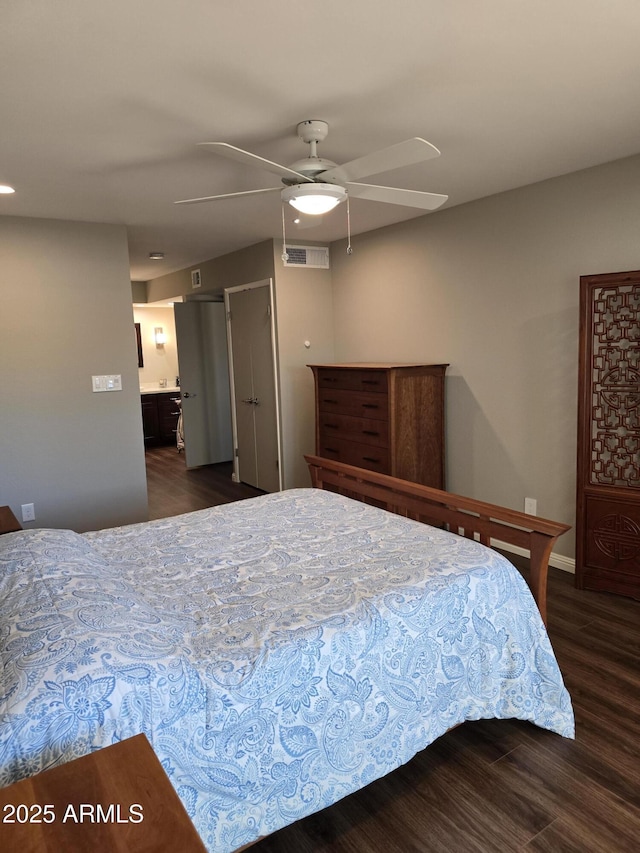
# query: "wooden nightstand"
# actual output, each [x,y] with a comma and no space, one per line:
[140,811]
[8,522]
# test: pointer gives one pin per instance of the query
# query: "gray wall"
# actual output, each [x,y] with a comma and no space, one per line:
[492,287]
[66,314]
[304,312]
[138,291]
[242,267]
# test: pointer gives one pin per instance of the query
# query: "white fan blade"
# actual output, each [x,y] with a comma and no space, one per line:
[249,159]
[227,195]
[402,154]
[395,195]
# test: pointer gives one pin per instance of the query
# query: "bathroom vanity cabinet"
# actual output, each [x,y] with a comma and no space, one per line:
[160,412]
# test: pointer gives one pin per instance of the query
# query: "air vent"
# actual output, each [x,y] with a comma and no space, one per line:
[313,257]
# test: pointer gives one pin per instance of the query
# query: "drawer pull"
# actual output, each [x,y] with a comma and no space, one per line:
[176,413]
[332,426]
[331,450]
[327,400]
[370,432]
[330,378]
[370,459]
[370,406]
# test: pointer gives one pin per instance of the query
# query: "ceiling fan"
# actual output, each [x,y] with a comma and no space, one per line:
[315,185]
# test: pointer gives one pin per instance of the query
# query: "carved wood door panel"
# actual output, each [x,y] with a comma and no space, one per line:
[608,481]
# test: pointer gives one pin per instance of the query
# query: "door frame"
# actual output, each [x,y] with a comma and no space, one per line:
[268,282]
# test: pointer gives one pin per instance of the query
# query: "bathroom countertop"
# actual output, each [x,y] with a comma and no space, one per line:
[156,389]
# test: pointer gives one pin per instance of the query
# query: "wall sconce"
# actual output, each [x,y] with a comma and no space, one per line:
[159,336]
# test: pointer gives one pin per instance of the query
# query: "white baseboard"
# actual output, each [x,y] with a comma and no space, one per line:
[558,561]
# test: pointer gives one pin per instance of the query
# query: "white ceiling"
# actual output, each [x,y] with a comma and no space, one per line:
[102,104]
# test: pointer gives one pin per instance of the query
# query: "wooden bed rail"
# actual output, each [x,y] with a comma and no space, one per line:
[465,516]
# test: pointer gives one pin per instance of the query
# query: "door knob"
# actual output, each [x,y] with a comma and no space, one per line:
[186,394]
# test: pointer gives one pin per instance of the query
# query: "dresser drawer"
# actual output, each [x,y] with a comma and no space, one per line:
[357,404]
[354,453]
[364,430]
[353,380]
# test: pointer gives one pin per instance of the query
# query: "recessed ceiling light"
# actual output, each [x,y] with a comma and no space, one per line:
[156,256]
[6,189]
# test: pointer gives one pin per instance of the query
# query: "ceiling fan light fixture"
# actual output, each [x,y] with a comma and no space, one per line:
[314,199]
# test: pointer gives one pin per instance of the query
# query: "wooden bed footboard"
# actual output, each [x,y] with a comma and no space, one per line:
[465,516]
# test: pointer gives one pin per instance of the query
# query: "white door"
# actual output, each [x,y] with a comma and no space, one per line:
[254,386]
[204,382]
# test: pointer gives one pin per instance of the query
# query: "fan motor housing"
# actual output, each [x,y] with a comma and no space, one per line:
[309,166]
[313,130]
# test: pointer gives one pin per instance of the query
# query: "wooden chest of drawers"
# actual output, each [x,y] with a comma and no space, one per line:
[384,417]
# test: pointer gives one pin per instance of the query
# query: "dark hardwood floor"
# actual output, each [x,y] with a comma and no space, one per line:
[498,786]
[172,489]
[492,786]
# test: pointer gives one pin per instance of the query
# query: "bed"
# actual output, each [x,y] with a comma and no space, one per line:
[279,652]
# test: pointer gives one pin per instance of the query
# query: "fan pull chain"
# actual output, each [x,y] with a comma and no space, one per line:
[349,249]
[284,256]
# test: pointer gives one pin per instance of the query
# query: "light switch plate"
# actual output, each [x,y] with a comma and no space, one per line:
[110,382]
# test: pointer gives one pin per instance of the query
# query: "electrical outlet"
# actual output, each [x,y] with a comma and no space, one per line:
[28,512]
[531,506]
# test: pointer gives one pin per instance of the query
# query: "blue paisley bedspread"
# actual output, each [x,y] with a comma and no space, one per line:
[279,653]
